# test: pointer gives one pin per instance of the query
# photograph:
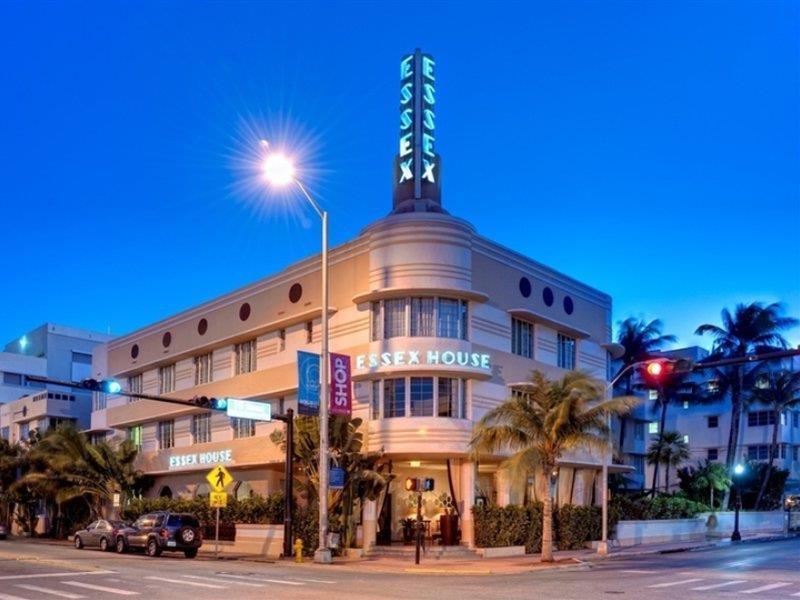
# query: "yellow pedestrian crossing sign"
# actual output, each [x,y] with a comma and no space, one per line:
[218,499]
[219,478]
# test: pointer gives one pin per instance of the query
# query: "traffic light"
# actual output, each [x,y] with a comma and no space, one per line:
[210,403]
[419,484]
[107,386]
[659,371]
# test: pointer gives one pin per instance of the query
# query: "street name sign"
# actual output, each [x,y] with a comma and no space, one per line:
[219,478]
[247,409]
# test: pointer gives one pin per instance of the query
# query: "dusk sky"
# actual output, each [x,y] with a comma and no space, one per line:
[651,149]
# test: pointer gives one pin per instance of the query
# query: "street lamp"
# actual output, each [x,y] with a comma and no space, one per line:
[738,470]
[279,171]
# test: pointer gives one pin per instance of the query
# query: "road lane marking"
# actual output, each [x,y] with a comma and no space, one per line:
[10,597]
[101,588]
[639,571]
[217,580]
[315,580]
[718,585]
[184,582]
[281,581]
[51,591]
[65,574]
[671,583]
[764,588]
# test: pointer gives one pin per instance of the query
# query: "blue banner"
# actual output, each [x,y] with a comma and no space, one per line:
[307,383]
[336,481]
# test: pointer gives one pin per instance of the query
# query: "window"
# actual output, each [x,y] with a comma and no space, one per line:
[422,396]
[134,386]
[652,427]
[451,398]
[762,381]
[281,340]
[309,331]
[99,401]
[81,366]
[245,357]
[135,436]
[796,418]
[201,428]
[712,454]
[422,317]
[685,404]
[376,321]
[166,379]
[566,351]
[638,430]
[784,450]
[758,418]
[394,398]
[12,378]
[375,410]
[24,431]
[522,338]
[166,434]
[452,319]
[60,422]
[686,439]
[394,318]
[652,394]
[760,452]
[96,438]
[795,449]
[203,366]
[638,463]
[713,421]
[243,428]
[5,433]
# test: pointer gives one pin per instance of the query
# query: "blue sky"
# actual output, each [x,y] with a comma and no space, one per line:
[649,149]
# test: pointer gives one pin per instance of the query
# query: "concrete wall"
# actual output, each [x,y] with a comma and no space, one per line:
[630,533]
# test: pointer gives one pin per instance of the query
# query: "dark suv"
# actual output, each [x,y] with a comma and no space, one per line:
[159,531]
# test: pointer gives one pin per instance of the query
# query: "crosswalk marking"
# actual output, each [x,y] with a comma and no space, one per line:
[182,581]
[765,588]
[671,583]
[10,597]
[718,585]
[63,574]
[797,595]
[281,581]
[217,579]
[100,588]
[638,571]
[315,580]
[51,591]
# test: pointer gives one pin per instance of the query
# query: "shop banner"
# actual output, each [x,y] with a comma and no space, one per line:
[307,383]
[341,401]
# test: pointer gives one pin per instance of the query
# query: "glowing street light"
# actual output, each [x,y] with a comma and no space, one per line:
[738,470]
[279,171]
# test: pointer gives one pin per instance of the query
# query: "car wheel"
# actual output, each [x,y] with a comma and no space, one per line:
[153,548]
[104,544]
[187,535]
[190,553]
[120,545]
[78,542]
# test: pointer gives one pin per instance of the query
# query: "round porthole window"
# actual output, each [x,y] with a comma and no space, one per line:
[134,350]
[525,287]
[244,311]
[295,293]
[202,326]
[166,339]
[569,306]
[547,296]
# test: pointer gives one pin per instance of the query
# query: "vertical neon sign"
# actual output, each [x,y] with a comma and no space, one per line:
[417,166]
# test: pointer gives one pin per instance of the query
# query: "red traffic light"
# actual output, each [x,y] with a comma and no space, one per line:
[654,369]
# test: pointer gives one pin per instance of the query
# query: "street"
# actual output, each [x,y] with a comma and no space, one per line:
[33,571]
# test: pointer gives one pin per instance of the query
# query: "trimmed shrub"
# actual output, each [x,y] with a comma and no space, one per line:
[660,507]
[253,510]
[576,525]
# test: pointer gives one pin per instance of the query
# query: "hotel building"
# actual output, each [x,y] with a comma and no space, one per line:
[439,322]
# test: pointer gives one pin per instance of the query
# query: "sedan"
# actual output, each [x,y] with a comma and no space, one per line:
[99,534]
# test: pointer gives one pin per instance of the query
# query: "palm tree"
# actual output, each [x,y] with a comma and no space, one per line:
[540,424]
[669,450]
[751,328]
[782,393]
[710,476]
[641,340]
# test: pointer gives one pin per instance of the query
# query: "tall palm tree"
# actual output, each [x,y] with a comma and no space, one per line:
[782,393]
[750,328]
[641,340]
[669,450]
[539,425]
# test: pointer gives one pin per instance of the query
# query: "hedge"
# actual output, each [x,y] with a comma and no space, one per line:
[660,507]
[573,526]
[253,510]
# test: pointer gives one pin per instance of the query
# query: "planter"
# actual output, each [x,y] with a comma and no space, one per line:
[448,526]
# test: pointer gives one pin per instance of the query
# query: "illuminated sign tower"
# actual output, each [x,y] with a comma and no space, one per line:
[417,167]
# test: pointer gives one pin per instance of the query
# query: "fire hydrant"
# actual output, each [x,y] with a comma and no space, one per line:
[298,550]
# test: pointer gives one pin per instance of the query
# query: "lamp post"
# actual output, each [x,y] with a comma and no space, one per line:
[737,503]
[279,171]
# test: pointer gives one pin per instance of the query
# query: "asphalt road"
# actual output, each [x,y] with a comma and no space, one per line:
[35,571]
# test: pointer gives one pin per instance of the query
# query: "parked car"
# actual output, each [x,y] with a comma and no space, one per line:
[101,534]
[160,531]
[3,531]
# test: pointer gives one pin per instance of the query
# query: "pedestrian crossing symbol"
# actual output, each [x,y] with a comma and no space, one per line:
[219,478]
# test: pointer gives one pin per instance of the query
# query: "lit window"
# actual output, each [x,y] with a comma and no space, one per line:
[652,427]
[566,352]
[245,357]
[686,439]
[135,436]
[166,434]
[652,394]
[203,366]
[166,379]
[243,428]
[201,428]
[685,404]
[394,398]
[421,396]
[522,338]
